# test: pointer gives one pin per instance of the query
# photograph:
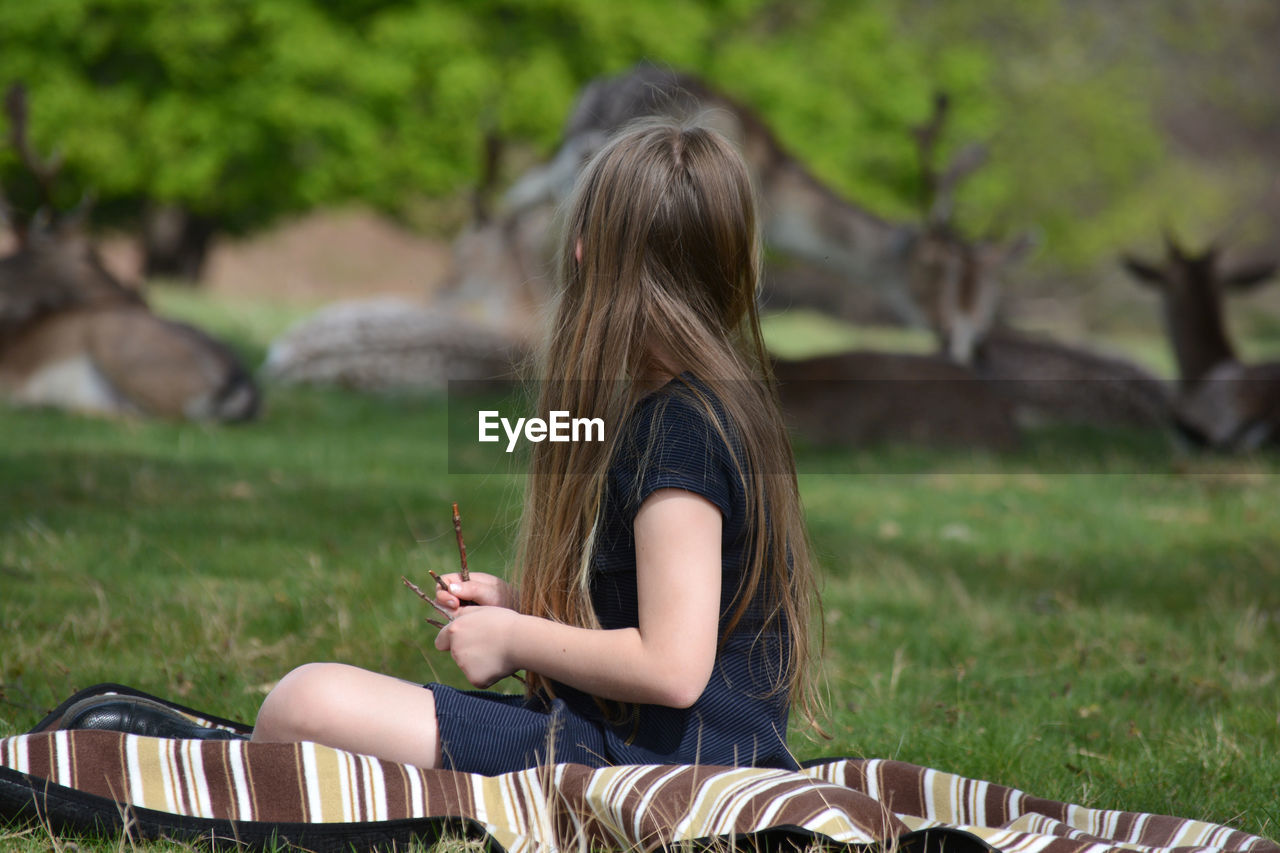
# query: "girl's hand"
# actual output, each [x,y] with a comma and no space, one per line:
[482,589]
[479,640]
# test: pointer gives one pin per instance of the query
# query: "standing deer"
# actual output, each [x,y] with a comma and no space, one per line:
[800,216]
[1221,402]
[72,336]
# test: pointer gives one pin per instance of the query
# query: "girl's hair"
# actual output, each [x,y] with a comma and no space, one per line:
[663,220]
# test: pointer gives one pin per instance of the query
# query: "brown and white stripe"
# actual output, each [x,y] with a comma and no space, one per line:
[565,806]
[925,797]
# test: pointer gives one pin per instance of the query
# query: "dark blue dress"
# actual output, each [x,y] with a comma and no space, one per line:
[741,718]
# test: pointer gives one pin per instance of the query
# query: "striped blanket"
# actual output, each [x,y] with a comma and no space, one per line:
[327,799]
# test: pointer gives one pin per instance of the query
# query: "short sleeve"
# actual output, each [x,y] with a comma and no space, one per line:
[671,442]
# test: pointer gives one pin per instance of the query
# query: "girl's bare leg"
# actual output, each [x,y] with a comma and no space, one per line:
[354,709]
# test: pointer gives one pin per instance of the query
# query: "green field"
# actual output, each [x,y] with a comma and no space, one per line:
[1095,619]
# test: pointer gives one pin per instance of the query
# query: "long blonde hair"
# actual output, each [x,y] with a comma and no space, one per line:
[661,255]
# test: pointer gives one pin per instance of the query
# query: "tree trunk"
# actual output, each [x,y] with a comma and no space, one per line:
[175,243]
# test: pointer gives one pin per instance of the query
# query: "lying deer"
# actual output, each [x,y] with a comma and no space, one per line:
[502,273]
[859,398]
[1046,380]
[74,337]
[800,216]
[1221,402]
[970,393]
[390,344]
[1052,381]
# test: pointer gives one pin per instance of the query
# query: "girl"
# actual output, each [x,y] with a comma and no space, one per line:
[665,594]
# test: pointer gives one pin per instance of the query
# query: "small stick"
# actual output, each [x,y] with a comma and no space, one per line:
[462,548]
[428,599]
[439,580]
[418,590]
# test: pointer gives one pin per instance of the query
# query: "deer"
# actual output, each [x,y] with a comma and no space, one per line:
[1221,402]
[855,397]
[957,278]
[390,344]
[866,397]
[74,336]
[474,332]
[1044,379]
[1051,381]
[987,380]
[800,216]
[502,273]
[1047,380]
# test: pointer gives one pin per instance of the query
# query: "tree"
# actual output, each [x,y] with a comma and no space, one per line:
[201,115]
[193,117]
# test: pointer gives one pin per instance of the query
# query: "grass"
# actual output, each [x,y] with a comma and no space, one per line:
[1093,619]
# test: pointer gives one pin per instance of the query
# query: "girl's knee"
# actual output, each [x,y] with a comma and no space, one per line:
[301,705]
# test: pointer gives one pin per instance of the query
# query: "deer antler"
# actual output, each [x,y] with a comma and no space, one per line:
[971,158]
[926,138]
[44,170]
[938,192]
[1175,248]
[490,162]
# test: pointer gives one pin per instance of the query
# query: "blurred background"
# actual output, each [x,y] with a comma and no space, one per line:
[309,149]
[1092,616]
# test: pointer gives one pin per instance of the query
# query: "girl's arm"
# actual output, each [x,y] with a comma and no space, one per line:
[667,660]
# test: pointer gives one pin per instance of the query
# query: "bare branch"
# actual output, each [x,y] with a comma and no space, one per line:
[428,599]
[462,548]
[490,163]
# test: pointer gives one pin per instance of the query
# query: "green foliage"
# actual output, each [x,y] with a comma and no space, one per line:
[1080,100]
[245,111]
[842,87]
[238,111]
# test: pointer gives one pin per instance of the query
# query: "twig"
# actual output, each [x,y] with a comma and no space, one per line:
[462,548]
[466,576]
[428,599]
